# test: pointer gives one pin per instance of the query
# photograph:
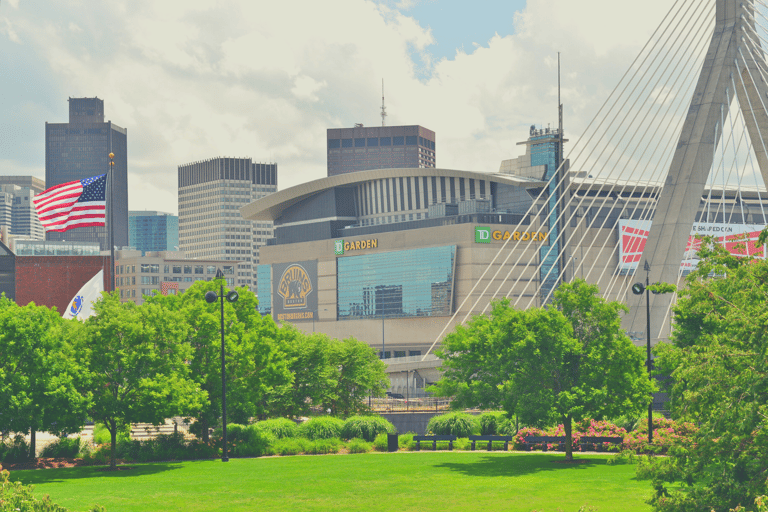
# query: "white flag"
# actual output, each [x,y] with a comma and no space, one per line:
[81,305]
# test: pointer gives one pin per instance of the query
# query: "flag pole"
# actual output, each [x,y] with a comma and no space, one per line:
[111,222]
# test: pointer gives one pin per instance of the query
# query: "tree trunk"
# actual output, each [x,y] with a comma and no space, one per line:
[32,444]
[113,455]
[204,431]
[568,438]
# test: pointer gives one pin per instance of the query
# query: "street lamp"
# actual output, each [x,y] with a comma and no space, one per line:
[210,298]
[639,289]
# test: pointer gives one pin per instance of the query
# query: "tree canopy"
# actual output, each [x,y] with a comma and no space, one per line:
[718,361]
[565,362]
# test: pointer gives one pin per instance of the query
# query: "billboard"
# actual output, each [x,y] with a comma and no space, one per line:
[739,239]
[294,291]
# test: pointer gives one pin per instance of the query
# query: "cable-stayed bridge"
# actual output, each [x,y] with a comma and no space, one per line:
[678,148]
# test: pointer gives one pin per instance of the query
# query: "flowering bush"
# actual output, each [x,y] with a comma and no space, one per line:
[666,433]
[528,431]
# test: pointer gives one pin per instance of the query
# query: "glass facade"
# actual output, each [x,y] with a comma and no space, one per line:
[153,231]
[546,154]
[48,248]
[264,288]
[416,282]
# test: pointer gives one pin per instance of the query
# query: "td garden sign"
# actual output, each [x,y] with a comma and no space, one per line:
[486,235]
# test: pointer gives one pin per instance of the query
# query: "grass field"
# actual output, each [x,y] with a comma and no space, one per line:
[422,481]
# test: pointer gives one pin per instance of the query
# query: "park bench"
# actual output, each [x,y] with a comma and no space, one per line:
[434,440]
[584,441]
[491,439]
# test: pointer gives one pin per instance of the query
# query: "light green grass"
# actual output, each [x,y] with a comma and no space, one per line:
[441,481]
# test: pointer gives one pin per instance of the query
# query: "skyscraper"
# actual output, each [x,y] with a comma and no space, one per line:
[379,147]
[17,213]
[153,231]
[211,193]
[80,149]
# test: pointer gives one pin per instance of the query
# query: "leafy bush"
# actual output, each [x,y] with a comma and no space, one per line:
[491,422]
[288,446]
[666,433]
[65,447]
[508,427]
[244,440]
[99,456]
[459,424]
[406,441]
[366,427]
[357,445]
[323,446]
[381,443]
[321,427]
[279,427]
[462,443]
[14,450]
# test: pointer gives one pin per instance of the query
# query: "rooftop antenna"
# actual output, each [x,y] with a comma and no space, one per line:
[383,108]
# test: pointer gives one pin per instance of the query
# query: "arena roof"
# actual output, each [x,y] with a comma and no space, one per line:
[271,207]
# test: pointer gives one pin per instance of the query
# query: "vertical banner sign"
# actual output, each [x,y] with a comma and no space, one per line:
[294,294]
[738,239]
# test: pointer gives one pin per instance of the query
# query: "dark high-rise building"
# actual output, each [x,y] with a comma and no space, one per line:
[80,149]
[381,147]
[153,231]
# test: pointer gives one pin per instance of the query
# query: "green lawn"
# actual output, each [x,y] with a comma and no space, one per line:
[422,481]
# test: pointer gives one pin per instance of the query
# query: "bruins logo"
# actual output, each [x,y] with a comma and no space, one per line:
[294,287]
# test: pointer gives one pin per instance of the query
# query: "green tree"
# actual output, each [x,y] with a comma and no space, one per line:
[718,361]
[562,363]
[328,373]
[136,359]
[254,365]
[39,378]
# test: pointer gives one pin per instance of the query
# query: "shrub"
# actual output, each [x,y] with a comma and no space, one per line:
[321,427]
[366,427]
[459,424]
[323,446]
[245,440]
[14,450]
[99,456]
[462,443]
[666,433]
[279,427]
[508,427]
[288,446]
[491,422]
[381,443]
[406,441]
[358,445]
[65,447]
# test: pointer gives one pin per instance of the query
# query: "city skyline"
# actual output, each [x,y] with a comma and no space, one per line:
[185,93]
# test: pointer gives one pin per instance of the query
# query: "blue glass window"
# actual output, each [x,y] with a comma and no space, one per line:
[360,143]
[386,141]
[411,283]
[410,140]
[334,143]
[346,143]
[398,141]
[264,288]
[373,141]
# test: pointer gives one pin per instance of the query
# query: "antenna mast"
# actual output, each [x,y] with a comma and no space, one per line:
[383,108]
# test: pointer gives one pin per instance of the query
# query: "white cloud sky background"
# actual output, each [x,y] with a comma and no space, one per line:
[196,79]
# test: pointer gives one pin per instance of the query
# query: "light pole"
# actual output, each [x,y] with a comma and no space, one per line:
[639,289]
[210,298]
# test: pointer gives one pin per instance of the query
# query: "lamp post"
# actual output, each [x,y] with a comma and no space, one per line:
[210,298]
[639,289]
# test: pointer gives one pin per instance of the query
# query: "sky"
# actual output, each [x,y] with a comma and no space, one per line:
[192,80]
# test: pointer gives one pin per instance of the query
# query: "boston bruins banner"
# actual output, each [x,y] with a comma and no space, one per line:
[294,291]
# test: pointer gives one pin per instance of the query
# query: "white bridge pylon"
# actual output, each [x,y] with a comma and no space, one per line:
[688,116]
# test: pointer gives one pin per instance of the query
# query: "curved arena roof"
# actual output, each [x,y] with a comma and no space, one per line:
[271,207]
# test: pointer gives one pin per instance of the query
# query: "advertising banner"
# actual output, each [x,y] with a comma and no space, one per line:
[739,239]
[294,291]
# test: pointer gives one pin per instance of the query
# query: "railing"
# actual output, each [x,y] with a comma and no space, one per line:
[420,404]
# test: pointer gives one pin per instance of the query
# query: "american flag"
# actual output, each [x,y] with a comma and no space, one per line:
[72,205]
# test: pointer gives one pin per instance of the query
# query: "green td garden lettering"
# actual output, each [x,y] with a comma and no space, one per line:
[484,235]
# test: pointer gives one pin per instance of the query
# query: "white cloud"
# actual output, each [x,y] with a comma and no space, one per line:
[194,79]
[7,29]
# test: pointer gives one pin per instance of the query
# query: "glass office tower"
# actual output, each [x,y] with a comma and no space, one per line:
[153,231]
